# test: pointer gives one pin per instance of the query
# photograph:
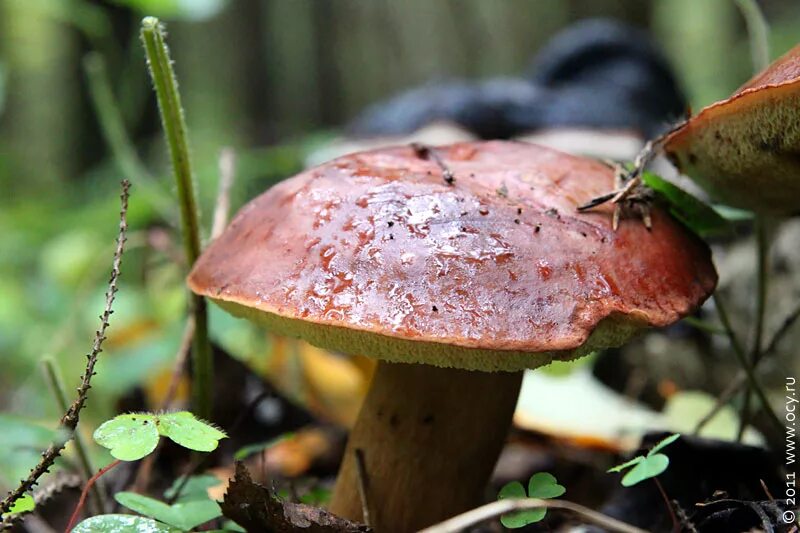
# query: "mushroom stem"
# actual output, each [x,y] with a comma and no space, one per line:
[430,439]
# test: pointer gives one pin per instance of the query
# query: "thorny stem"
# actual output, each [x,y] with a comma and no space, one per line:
[113,130]
[492,510]
[739,352]
[89,484]
[172,119]
[56,384]
[69,421]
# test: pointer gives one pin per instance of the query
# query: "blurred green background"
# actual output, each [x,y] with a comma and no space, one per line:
[270,78]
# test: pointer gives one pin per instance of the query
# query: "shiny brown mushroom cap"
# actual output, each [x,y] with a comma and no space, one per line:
[745,150]
[375,253]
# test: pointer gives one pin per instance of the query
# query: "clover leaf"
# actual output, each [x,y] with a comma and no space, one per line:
[130,437]
[646,466]
[186,430]
[542,485]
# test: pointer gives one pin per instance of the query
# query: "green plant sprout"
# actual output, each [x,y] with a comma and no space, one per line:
[130,437]
[541,485]
[646,466]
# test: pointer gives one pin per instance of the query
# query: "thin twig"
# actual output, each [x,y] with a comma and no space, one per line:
[363,484]
[492,510]
[69,421]
[738,351]
[784,328]
[423,151]
[56,384]
[730,391]
[676,525]
[685,522]
[741,378]
[92,480]
[172,119]
[227,172]
[703,326]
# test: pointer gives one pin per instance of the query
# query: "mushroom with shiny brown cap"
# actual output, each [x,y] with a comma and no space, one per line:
[745,150]
[457,267]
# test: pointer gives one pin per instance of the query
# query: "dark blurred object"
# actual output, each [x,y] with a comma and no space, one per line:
[726,515]
[608,75]
[701,471]
[596,74]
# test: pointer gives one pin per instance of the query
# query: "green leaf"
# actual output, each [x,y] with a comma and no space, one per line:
[650,467]
[513,490]
[543,485]
[517,519]
[191,514]
[619,468]
[186,515]
[147,506]
[663,444]
[194,489]
[122,523]
[23,505]
[692,212]
[129,437]
[186,430]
